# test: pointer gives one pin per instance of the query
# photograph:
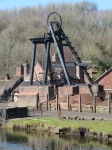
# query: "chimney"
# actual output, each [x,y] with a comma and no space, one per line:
[19,70]
[55,58]
[7,77]
[26,68]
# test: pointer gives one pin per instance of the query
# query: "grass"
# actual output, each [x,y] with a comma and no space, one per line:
[94,126]
[0,116]
[31,108]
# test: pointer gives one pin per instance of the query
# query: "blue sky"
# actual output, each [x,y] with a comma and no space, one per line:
[10,4]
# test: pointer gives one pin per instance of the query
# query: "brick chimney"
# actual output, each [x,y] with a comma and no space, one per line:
[55,58]
[19,70]
[26,68]
[7,77]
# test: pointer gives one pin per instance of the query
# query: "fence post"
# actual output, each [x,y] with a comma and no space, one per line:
[68,102]
[40,106]
[56,102]
[109,111]
[79,103]
[59,107]
[94,99]
[37,100]
[33,111]
[47,102]
[49,106]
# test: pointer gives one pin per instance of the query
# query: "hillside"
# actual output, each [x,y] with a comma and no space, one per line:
[89,30]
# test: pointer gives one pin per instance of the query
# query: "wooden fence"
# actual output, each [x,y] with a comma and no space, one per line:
[75,107]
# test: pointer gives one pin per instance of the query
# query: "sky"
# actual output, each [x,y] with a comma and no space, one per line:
[10,4]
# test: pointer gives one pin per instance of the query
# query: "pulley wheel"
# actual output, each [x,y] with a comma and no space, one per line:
[55,19]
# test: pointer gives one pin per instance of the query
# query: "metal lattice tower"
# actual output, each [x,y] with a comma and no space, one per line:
[57,36]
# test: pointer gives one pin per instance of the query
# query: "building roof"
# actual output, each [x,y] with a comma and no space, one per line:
[9,85]
[89,62]
[25,83]
[2,83]
[102,76]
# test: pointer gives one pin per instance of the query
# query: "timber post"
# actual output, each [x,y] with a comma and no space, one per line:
[47,102]
[56,102]
[94,101]
[109,110]
[68,102]
[37,101]
[79,103]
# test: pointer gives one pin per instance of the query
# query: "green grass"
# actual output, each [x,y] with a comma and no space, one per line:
[0,116]
[99,126]
[31,108]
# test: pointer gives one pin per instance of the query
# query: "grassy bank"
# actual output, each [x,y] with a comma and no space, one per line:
[104,127]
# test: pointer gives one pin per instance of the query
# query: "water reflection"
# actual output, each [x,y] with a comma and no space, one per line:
[35,140]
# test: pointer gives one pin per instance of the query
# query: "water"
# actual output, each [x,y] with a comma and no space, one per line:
[35,140]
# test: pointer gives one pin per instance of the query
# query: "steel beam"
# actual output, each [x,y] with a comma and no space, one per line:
[59,54]
[33,63]
[46,63]
[76,56]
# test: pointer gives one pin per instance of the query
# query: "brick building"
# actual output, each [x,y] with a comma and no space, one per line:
[105,80]
[26,95]
[75,72]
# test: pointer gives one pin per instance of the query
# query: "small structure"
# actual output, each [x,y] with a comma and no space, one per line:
[16,112]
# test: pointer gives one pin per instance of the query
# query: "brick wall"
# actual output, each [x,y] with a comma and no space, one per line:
[27,100]
[80,89]
[38,69]
[90,89]
[19,70]
[26,68]
[106,80]
[67,90]
[28,94]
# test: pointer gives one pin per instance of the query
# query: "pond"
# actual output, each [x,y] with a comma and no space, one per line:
[36,140]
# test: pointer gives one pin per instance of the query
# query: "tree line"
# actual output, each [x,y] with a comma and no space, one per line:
[89,30]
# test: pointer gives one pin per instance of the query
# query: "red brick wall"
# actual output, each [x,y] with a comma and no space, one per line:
[67,90]
[81,89]
[106,80]
[38,69]
[84,89]
[27,100]
[19,71]
[27,91]
[26,68]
